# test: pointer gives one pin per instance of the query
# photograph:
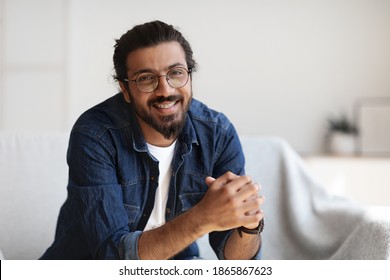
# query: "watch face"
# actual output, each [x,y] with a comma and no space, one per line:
[261,225]
[257,230]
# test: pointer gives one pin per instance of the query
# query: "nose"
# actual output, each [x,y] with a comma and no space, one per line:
[163,87]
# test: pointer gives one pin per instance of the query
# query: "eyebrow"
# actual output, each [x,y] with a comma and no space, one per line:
[147,70]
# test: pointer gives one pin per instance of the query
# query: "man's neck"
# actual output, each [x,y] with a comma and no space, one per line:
[158,140]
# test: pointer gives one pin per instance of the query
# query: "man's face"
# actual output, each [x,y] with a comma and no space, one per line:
[164,109]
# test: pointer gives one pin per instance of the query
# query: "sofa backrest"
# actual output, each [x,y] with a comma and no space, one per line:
[33,177]
[302,220]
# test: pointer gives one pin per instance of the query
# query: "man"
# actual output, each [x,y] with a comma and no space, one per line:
[151,169]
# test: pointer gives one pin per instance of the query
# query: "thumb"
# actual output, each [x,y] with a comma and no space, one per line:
[209,180]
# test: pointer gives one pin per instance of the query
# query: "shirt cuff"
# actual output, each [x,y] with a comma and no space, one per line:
[128,246]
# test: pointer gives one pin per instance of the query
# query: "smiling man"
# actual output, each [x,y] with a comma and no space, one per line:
[161,115]
[151,169]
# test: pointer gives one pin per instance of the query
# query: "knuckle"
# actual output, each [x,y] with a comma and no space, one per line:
[230,175]
[248,179]
[260,216]
[226,191]
[255,187]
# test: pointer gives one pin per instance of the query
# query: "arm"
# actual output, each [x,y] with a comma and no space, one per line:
[96,194]
[232,159]
[169,239]
[230,202]
[245,247]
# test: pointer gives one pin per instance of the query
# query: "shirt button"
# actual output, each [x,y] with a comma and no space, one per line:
[168,211]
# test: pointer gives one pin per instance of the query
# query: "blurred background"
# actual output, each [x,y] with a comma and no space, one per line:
[296,69]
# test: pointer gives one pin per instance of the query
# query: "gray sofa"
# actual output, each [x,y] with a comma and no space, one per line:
[303,221]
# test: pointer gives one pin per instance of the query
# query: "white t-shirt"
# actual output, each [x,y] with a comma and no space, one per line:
[164,155]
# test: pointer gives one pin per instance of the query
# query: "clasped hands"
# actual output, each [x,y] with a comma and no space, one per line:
[230,202]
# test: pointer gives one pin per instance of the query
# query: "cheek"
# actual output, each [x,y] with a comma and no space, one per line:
[187,91]
[188,95]
[140,102]
[137,99]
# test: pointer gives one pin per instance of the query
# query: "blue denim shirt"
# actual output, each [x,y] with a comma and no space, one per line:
[113,178]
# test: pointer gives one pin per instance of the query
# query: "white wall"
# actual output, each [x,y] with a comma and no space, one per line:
[277,67]
[32,67]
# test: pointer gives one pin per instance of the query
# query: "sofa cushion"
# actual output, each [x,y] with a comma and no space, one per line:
[33,176]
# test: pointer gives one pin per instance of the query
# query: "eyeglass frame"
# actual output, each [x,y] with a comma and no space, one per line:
[189,72]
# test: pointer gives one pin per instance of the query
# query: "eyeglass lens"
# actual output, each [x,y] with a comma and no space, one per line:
[176,78]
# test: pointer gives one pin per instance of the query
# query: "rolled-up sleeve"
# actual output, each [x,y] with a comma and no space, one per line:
[128,246]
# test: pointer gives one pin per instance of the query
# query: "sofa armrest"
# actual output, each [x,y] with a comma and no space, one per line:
[304,221]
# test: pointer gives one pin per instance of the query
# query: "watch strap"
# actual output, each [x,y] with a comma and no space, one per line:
[254,231]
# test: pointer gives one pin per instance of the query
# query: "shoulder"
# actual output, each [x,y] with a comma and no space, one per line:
[217,139]
[212,128]
[109,114]
[203,116]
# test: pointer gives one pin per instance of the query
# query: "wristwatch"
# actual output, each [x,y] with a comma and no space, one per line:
[257,230]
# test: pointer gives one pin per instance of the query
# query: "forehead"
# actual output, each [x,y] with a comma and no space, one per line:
[156,58]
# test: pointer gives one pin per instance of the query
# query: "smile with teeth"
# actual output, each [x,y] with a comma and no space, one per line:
[165,106]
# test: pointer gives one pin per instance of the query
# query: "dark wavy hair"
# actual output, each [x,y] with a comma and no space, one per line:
[147,35]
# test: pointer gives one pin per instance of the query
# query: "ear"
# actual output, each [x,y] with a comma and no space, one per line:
[125,92]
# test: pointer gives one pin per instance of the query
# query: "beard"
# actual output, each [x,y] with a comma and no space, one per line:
[169,126]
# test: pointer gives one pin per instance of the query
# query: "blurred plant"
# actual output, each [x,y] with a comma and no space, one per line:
[342,124]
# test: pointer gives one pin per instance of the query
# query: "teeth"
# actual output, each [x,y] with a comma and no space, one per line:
[165,106]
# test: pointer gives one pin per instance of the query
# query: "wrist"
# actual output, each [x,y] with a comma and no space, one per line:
[197,221]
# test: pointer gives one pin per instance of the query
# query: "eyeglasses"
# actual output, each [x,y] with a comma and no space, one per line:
[148,82]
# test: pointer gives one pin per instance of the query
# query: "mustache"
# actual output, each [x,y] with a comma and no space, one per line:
[160,99]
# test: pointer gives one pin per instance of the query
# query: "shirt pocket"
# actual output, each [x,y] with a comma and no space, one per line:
[188,200]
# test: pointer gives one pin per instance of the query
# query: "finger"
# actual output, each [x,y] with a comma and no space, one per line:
[252,206]
[209,180]
[238,182]
[252,221]
[248,191]
[223,180]
[256,194]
